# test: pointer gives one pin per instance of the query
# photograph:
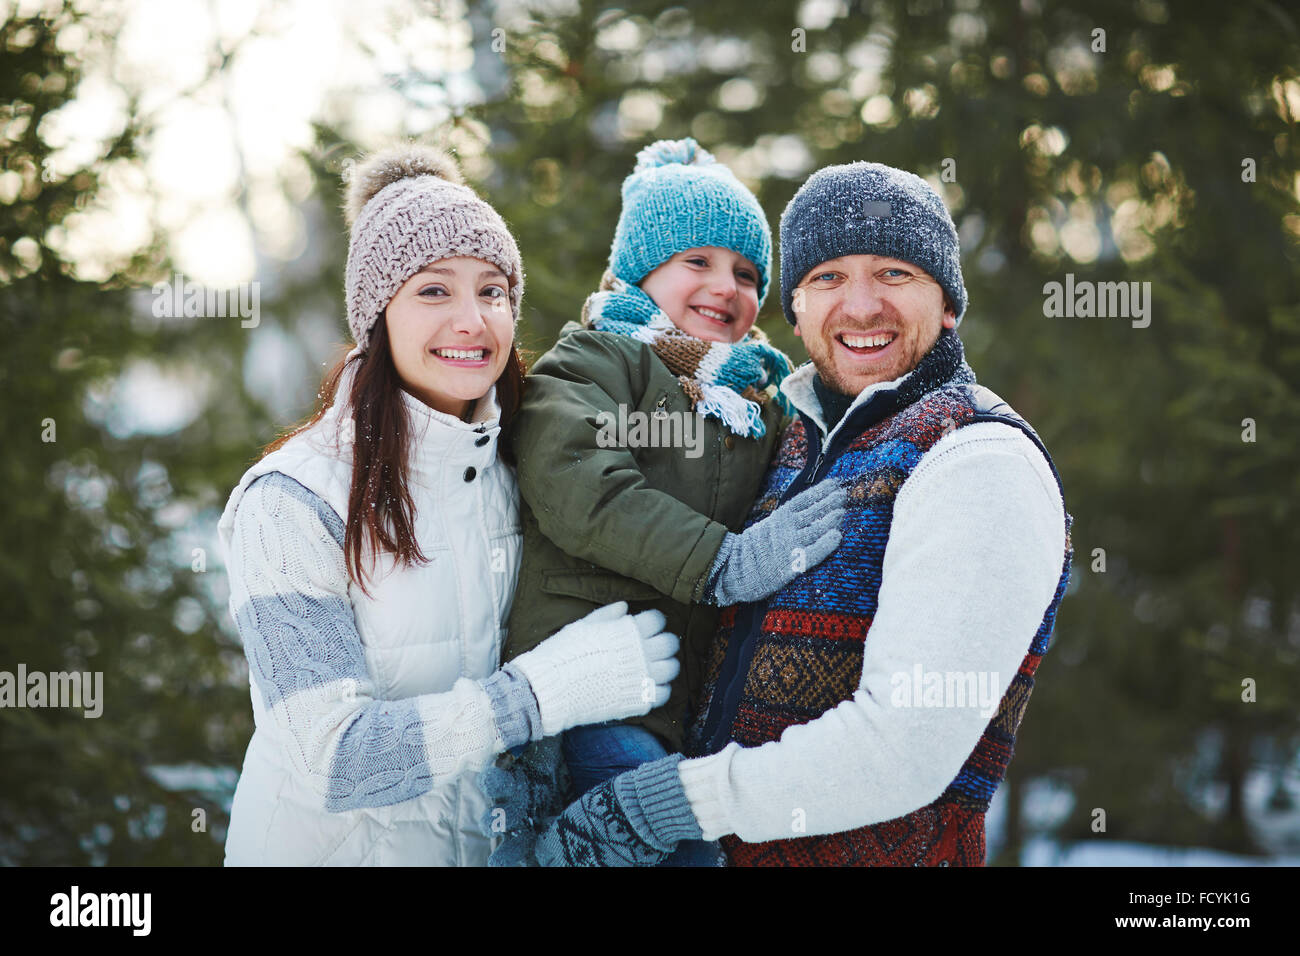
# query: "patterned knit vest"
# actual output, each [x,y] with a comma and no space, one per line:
[810,636]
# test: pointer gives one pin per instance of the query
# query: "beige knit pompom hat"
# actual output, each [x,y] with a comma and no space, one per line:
[408,206]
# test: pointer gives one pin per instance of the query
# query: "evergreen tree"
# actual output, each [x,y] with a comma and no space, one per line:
[1159,150]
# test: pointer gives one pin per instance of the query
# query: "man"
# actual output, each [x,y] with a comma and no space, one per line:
[847,717]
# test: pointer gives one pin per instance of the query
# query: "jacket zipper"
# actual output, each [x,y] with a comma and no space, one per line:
[812,479]
[723,706]
[735,666]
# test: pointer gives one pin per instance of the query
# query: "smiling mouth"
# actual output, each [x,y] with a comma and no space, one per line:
[713,315]
[871,343]
[462,356]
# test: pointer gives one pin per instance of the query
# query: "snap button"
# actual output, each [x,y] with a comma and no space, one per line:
[729,441]
[470,473]
[482,440]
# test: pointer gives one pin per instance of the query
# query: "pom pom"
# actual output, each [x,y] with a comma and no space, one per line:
[666,152]
[391,165]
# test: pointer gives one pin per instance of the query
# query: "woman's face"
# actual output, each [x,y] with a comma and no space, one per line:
[451,329]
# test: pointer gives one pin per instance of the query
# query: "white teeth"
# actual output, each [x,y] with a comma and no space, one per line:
[867,341]
[712,313]
[470,354]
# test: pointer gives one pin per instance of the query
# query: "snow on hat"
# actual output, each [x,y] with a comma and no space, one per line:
[869,209]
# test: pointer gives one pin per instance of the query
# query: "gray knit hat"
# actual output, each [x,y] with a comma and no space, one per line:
[869,209]
[408,206]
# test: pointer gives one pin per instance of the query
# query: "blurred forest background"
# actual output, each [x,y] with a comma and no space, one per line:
[211,137]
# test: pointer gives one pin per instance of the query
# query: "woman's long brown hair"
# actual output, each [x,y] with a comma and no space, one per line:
[381,513]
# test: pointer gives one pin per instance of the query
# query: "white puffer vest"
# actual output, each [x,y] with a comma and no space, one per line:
[422,628]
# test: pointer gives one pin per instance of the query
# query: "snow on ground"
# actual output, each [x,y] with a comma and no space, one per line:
[1044,852]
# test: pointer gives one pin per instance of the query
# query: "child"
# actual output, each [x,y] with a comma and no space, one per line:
[643,439]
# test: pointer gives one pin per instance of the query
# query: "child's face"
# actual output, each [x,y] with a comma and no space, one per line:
[708,292]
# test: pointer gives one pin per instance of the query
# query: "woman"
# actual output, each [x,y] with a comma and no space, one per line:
[373,554]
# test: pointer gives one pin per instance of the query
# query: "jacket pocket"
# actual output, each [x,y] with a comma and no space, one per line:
[597,586]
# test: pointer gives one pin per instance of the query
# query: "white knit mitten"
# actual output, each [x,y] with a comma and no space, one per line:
[607,666]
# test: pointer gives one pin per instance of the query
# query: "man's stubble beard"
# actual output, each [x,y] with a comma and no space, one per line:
[832,380]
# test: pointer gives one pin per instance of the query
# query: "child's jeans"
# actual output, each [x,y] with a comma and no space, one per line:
[599,752]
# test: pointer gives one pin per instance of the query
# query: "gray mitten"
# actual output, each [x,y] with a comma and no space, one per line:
[526,793]
[771,553]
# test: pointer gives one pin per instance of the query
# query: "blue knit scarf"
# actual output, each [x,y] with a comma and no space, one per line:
[729,381]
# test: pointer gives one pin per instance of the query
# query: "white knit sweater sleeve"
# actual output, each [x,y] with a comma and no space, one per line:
[973,561]
[289,598]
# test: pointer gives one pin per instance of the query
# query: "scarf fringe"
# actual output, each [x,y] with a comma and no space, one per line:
[739,414]
[721,376]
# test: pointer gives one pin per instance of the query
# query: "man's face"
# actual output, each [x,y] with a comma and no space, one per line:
[867,319]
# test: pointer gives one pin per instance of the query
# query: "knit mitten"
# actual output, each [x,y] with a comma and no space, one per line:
[771,553]
[609,665]
[635,819]
[526,794]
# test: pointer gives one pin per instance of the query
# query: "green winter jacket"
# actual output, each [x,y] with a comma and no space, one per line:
[635,524]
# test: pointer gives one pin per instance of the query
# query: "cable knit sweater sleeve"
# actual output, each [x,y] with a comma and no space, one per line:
[289,598]
[973,561]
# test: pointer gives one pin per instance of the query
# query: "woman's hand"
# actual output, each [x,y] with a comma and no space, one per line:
[607,666]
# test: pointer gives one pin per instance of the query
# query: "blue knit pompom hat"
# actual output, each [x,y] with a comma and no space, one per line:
[679,197]
[869,209]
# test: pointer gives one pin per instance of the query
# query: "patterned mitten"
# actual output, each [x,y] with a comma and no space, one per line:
[769,554]
[635,819]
